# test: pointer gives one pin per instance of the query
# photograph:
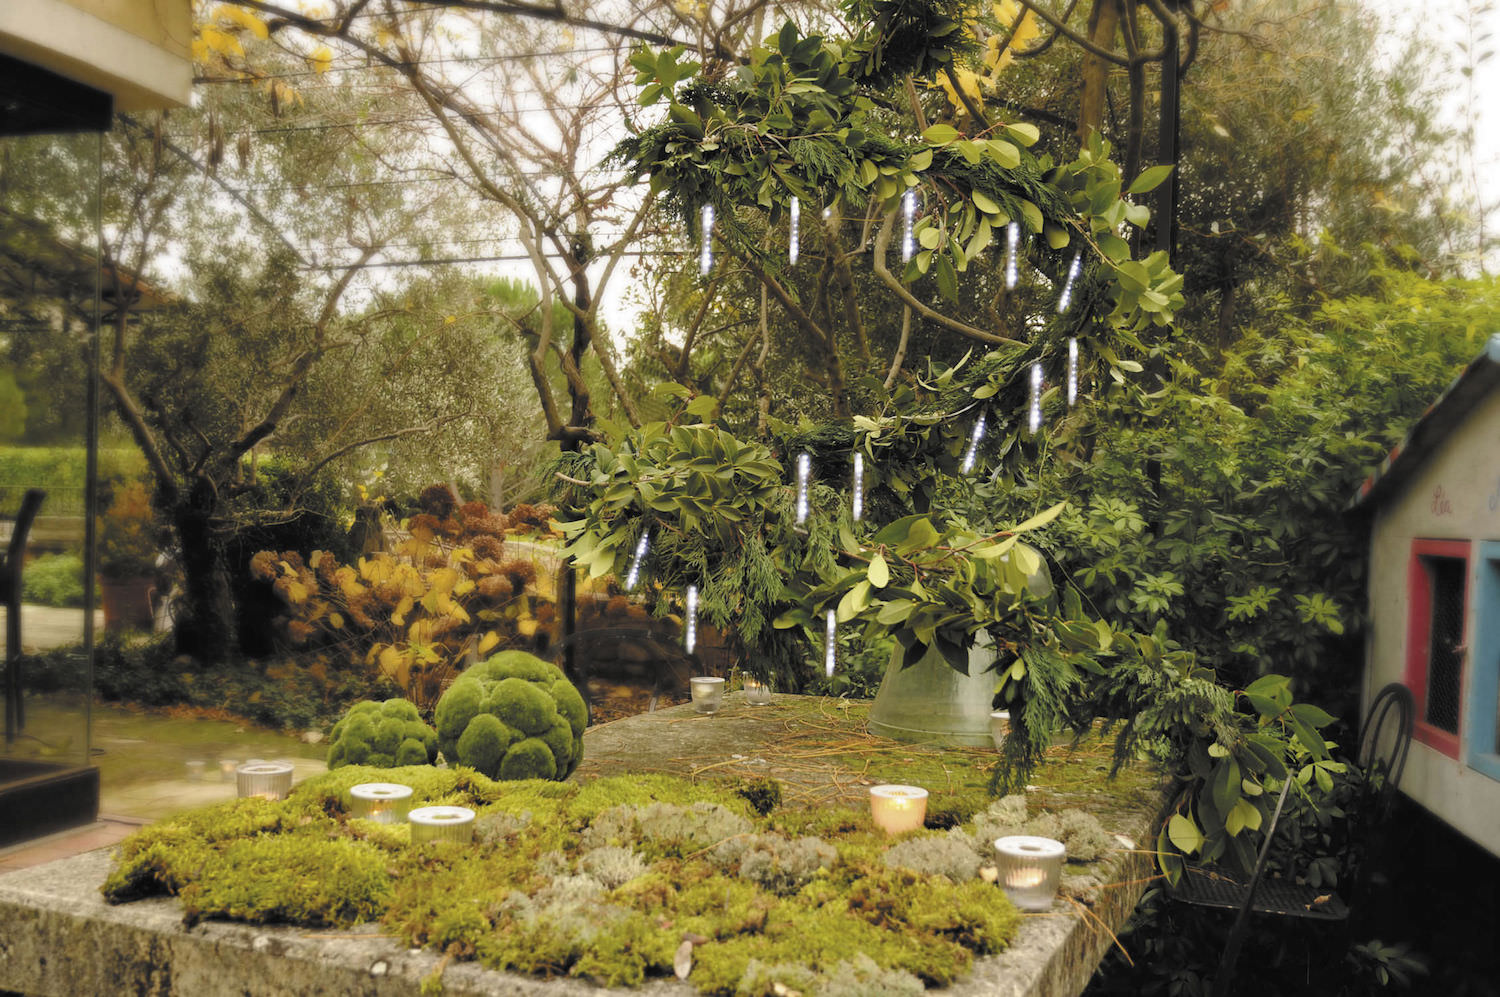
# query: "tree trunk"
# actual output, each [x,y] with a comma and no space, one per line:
[1103,20]
[207,632]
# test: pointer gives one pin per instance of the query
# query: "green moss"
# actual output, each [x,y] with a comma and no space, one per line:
[299,879]
[529,759]
[600,881]
[500,714]
[382,735]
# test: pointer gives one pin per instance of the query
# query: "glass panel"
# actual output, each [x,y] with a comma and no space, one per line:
[1445,640]
[48,245]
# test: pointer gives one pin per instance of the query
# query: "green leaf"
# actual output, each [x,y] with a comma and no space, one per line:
[895,611]
[1032,215]
[1184,834]
[1226,784]
[1041,519]
[1057,236]
[1150,179]
[1242,815]
[854,602]
[703,406]
[940,134]
[984,202]
[1023,132]
[879,573]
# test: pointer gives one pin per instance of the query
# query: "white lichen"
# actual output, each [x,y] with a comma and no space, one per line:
[612,866]
[954,855]
[780,864]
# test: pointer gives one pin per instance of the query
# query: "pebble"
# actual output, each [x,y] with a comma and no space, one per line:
[312,736]
[380,967]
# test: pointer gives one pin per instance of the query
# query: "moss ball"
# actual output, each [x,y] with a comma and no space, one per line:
[529,759]
[523,708]
[484,743]
[382,735]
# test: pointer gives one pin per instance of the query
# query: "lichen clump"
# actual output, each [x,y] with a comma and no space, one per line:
[606,881]
[383,735]
[514,716]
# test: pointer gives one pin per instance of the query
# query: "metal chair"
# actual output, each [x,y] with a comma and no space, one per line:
[1384,745]
[10,595]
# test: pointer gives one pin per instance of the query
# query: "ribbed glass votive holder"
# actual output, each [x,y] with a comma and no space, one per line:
[1030,869]
[267,780]
[441,824]
[382,802]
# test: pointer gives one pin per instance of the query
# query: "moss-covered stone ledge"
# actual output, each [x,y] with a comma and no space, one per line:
[813,865]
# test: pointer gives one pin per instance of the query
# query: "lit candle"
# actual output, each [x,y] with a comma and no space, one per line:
[857,503]
[267,780]
[1066,298]
[227,767]
[972,453]
[794,222]
[692,618]
[757,693]
[1030,869]
[706,255]
[898,808]
[830,642]
[1036,398]
[1012,251]
[804,475]
[382,802]
[708,693]
[909,210]
[634,575]
[441,824]
[1072,370]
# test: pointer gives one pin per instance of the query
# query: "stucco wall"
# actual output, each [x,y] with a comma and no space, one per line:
[137,50]
[1456,496]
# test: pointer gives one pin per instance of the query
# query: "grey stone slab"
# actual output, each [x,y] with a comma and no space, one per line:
[58,938]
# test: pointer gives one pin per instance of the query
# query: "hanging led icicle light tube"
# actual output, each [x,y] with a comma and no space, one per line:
[908,237]
[1066,298]
[972,453]
[857,502]
[830,641]
[804,472]
[691,639]
[706,254]
[634,574]
[794,222]
[1012,252]
[1036,397]
[1072,370]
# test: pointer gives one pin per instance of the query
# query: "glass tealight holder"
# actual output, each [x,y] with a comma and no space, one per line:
[898,808]
[441,824]
[757,692]
[708,693]
[227,767]
[999,728]
[1029,869]
[382,802]
[267,780]
[195,768]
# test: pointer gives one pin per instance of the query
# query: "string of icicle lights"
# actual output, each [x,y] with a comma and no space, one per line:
[1014,244]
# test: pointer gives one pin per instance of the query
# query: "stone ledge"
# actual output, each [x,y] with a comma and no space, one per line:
[58,938]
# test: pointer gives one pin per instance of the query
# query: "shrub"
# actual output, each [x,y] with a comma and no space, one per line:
[513,717]
[54,580]
[384,735]
[415,614]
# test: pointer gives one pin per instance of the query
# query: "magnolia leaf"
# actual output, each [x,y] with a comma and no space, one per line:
[1150,179]
[1042,518]
[985,203]
[1184,834]
[940,134]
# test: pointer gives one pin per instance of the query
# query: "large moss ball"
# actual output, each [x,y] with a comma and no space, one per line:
[385,735]
[514,716]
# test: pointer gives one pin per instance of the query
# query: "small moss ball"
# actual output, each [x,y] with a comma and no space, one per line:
[383,735]
[513,717]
